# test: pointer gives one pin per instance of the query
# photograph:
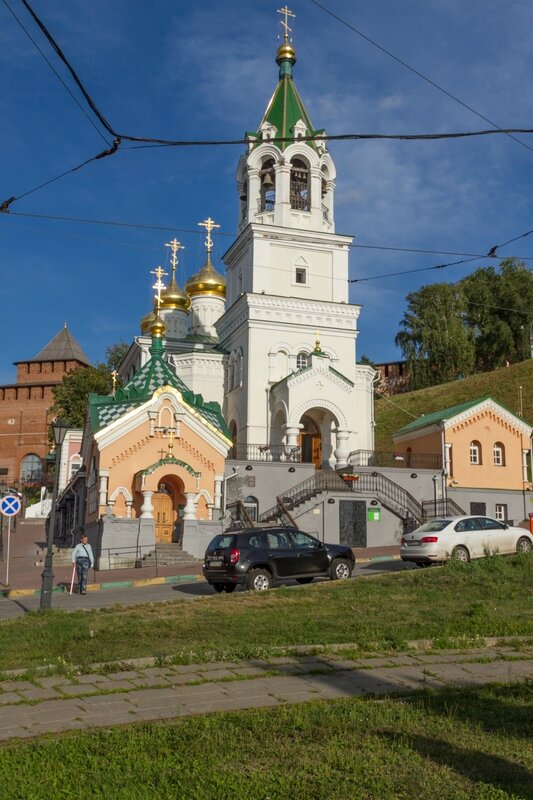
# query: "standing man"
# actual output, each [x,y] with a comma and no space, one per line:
[82,556]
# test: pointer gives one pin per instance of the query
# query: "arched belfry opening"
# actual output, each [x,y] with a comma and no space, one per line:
[300,192]
[268,186]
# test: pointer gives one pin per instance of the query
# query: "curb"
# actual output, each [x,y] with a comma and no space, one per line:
[96,587]
[159,581]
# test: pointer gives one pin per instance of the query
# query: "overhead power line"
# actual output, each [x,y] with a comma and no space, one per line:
[425,78]
[56,73]
[353,245]
[118,138]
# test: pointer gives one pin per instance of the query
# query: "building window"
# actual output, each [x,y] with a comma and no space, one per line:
[475,453]
[501,512]
[478,509]
[301,361]
[499,455]
[300,275]
[252,506]
[30,468]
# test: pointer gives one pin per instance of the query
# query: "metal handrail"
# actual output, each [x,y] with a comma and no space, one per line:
[389,491]
[267,452]
[319,482]
[382,458]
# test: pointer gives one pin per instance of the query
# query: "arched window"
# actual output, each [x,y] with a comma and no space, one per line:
[299,187]
[499,454]
[252,507]
[268,186]
[475,453]
[30,468]
[301,360]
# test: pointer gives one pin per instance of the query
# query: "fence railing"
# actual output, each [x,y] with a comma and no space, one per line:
[381,458]
[441,507]
[267,452]
[128,558]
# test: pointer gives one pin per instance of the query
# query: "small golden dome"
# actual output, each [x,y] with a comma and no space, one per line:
[158,327]
[286,52]
[207,281]
[146,321]
[174,297]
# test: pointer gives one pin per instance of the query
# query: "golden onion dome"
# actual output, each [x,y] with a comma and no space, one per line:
[207,281]
[146,321]
[158,327]
[174,297]
[286,52]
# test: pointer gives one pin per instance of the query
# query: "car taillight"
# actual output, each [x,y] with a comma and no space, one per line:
[234,556]
[429,539]
[403,540]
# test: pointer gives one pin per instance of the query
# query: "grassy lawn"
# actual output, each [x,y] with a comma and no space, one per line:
[433,746]
[490,597]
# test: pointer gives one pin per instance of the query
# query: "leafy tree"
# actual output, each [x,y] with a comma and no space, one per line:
[434,340]
[114,355]
[499,312]
[70,396]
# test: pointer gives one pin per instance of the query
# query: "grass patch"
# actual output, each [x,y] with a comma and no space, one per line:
[437,746]
[455,604]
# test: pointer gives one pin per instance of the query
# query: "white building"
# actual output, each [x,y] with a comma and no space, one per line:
[281,357]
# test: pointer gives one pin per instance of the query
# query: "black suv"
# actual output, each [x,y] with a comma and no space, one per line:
[257,557]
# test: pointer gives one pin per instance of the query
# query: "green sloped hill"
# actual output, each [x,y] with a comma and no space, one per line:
[502,385]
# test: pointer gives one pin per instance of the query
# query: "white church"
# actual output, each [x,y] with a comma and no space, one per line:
[275,341]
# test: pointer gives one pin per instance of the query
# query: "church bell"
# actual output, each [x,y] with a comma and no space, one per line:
[268,183]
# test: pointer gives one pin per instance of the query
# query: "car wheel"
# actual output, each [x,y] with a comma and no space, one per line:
[259,580]
[523,545]
[340,569]
[303,580]
[460,553]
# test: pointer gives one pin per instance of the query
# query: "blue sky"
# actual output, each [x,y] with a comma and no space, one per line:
[204,71]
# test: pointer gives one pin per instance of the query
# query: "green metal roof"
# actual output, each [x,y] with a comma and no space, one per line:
[440,416]
[285,110]
[152,376]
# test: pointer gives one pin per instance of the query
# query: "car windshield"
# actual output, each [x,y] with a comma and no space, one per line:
[433,525]
[221,542]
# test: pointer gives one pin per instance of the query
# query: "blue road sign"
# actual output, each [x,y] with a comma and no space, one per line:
[10,505]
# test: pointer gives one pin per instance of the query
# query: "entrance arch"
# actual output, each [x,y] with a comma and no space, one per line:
[168,502]
[310,441]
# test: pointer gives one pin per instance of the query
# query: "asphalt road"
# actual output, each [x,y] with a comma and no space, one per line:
[105,598]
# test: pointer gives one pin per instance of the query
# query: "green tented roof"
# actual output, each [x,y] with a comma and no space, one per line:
[152,376]
[284,111]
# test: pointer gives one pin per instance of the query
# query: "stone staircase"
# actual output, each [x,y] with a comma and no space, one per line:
[62,556]
[169,555]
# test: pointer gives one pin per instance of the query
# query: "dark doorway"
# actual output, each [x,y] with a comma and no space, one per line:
[352,523]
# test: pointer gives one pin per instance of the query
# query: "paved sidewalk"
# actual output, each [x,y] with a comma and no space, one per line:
[143,692]
[25,577]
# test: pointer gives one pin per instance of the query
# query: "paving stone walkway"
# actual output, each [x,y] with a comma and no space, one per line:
[144,692]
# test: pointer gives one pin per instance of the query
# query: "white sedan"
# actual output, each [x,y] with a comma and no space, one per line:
[462,538]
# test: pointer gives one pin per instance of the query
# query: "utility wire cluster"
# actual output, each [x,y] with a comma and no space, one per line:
[118,138]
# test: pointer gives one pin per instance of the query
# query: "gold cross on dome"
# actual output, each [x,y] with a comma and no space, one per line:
[175,245]
[287,13]
[159,272]
[114,376]
[317,343]
[209,224]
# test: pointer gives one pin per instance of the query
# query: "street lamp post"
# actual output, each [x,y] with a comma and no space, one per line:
[435,481]
[59,429]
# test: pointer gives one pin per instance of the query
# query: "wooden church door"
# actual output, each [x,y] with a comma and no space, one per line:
[164,517]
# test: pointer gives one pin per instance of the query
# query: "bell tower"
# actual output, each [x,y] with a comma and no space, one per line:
[287,277]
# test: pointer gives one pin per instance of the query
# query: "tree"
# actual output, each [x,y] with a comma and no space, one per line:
[70,396]
[435,341]
[499,312]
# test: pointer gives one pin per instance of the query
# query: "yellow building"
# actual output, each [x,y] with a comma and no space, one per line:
[483,446]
